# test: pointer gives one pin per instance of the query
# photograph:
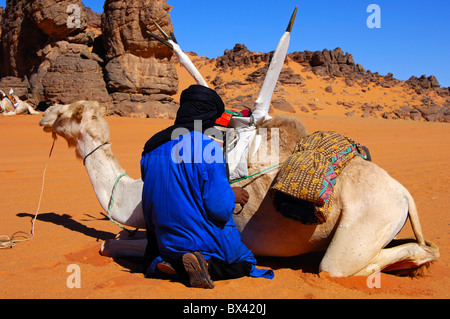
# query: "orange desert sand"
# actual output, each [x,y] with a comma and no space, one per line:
[71,224]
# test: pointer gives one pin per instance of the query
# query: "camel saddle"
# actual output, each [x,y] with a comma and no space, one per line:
[12,99]
[303,187]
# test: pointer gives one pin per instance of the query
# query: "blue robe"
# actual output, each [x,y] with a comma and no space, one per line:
[188,202]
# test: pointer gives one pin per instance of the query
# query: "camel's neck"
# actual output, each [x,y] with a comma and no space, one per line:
[102,167]
[104,171]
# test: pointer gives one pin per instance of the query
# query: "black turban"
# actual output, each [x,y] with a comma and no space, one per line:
[196,103]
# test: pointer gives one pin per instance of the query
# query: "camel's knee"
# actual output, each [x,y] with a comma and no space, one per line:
[106,249]
[334,270]
[339,267]
[123,248]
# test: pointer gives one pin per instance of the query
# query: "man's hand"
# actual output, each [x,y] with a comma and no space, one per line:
[241,195]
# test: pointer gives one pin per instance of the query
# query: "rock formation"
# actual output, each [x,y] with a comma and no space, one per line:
[58,54]
[68,72]
[59,51]
[329,64]
[140,73]
[46,43]
[240,56]
[326,62]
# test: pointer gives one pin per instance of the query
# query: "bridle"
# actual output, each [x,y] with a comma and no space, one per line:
[95,149]
[130,233]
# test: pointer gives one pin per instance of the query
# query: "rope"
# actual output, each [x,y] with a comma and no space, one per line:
[111,203]
[130,233]
[256,174]
[21,236]
[84,159]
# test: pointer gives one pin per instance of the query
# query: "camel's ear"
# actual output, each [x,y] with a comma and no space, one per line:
[103,109]
[77,111]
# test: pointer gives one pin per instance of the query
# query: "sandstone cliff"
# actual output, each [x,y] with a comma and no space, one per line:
[59,51]
[140,74]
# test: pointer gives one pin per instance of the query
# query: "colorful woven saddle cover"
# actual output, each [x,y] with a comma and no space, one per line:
[12,99]
[303,187]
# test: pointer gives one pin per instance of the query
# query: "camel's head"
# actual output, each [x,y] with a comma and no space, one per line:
[290,131]
[74,121]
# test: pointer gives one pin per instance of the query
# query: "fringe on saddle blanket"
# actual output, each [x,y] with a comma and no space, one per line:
[303,187]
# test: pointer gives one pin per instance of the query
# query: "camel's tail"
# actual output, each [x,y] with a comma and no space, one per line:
[430,252]
[414,218]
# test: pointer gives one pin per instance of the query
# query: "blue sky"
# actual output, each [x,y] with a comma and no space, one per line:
[414,37]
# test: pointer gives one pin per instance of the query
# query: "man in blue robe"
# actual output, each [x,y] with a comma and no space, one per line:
[187,201]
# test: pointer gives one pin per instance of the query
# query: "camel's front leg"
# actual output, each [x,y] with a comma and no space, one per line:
[132,248]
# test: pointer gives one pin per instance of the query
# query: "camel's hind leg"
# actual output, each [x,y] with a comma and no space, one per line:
[360,243]
[371,217]
[31,110]
[404,259]
[357,242]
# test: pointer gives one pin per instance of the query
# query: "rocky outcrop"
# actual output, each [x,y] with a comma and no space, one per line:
[287,76]
[59,51]
[58,62]
[68,72]
[57,48]
[240,56]
[140,72]
[331,64]
[21,86]
[427,83]
[326,62]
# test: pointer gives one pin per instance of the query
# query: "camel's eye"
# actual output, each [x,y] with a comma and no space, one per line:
[94,117]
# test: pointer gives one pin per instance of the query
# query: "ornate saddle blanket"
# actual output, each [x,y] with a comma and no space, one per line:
[303,187]
[11,99]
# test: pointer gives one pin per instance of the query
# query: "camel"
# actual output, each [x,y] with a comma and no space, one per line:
[369,209]
[11,107]
[369,206]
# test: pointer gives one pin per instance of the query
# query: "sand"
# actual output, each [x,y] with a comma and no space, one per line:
[71,224]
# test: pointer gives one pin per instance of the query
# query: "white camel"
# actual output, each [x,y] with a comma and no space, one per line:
[12,105]
[369,207]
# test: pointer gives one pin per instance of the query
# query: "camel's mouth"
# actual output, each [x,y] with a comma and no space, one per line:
[48,128]
[47,123]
